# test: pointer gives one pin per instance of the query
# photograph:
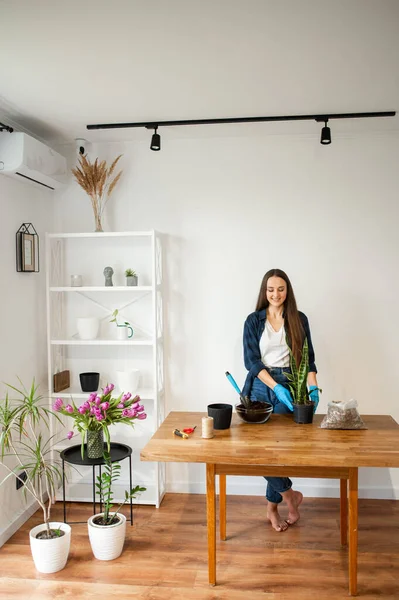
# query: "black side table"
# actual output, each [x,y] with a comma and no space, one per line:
[73,455]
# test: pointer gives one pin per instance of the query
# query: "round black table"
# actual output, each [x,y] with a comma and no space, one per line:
[73,455]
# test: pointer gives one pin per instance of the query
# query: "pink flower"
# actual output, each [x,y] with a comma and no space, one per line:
[70,435]
[82,409]
[86,405]
[106,390]
[142,416]
[120,405]
[69,408]
[58,404]
[126,397]
[140,408]
[126,412]
[133,412]
[97,400]
[92,396]
[135,405]
[99,417]
[92,410]
[111,387]
[105,405]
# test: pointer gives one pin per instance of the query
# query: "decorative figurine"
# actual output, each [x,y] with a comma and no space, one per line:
[108,272]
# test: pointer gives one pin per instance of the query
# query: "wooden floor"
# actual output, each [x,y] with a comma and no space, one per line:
[165,555]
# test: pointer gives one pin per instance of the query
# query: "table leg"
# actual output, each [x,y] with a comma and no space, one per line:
[63,489]
[344,511]
[211,522]
[353,524]
[222,506]
[94,490]
[131,485]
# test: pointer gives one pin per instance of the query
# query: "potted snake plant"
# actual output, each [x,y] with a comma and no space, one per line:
[297,382]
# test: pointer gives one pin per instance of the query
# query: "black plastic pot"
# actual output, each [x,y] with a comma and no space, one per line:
[89,381]
[221,414]
[303,413]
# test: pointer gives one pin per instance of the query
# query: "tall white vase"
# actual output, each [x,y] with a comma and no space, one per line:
[128,381]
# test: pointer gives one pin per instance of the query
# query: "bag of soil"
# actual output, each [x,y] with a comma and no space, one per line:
[342,415]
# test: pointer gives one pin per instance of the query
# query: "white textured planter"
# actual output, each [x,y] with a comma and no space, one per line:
[107,540]
[50,556]
[88,327]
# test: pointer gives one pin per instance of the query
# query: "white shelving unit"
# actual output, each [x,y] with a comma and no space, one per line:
[87,254]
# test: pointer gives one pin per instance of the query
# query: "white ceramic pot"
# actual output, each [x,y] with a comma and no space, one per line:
[50,556]
[107,540]
[128,381]
[88,327]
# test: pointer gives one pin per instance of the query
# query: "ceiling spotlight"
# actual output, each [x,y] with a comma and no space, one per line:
[325,134]
[155,140]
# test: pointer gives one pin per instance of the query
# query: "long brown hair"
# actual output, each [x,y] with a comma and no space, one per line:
[292,323]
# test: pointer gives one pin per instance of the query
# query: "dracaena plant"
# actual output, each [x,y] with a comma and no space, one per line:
[297,379]
[104,485]
[24,423]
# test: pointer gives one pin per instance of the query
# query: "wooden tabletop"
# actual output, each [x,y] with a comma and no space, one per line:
[277,442]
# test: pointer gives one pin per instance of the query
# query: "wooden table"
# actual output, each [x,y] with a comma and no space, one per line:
[280,447]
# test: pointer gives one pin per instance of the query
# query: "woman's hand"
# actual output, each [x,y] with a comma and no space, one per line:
[283,396]
[314,395]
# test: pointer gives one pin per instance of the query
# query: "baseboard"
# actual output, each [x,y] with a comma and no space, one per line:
[310,488]
[17,522]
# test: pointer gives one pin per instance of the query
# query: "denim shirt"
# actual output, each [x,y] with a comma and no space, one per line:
[253,329]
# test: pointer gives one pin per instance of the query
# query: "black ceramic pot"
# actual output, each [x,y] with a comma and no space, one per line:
[221,414]
[89,381]
[303,413]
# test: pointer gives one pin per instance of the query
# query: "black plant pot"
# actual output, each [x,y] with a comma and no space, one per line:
[89,381]
[221,414]
[303,413]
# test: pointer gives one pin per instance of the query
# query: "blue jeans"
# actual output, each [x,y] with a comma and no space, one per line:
[262,393]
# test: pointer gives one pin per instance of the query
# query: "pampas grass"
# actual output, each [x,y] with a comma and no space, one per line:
[95,179]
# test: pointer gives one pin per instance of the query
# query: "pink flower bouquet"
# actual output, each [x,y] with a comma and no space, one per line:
[100,411]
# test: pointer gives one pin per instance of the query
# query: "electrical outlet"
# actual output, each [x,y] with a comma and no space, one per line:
[22,475]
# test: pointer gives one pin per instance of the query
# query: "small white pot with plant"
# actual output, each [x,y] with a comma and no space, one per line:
[107,531]
[124,329]
[22,423]
[131,277]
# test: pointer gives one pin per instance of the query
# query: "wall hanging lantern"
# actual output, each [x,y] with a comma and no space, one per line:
[27,248]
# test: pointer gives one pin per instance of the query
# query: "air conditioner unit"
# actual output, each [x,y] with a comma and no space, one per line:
[27,159]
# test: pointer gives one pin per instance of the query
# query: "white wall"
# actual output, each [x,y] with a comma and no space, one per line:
[232,208]
[22,316]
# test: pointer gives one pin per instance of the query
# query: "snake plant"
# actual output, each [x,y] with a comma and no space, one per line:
[297,379]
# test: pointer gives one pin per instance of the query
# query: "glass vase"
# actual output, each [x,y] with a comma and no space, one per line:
[95,443]
[97,219]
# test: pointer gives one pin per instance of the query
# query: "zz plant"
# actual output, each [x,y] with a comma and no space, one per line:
[104,485]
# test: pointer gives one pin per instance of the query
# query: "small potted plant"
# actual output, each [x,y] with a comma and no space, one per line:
[297,382]
[131,277]
[125,330]
[107,530]
[24,422]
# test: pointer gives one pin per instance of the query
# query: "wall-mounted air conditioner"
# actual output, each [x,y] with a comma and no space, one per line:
[27,159]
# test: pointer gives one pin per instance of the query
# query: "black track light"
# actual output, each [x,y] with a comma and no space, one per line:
[155,140]
[325,134]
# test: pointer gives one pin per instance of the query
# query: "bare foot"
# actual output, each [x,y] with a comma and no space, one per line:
[274,518]
[293,504]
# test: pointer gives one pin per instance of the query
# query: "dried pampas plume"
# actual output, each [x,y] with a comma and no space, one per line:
[95,179]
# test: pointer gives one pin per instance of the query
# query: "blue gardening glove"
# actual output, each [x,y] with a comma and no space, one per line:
[314,395]
[283,395]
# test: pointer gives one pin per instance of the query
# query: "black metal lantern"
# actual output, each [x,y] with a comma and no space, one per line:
[27,249]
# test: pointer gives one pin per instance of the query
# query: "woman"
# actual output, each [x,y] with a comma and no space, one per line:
[269,333]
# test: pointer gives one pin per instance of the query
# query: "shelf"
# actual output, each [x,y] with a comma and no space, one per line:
[145,394]
[102,288]
[102,234]
[99,342]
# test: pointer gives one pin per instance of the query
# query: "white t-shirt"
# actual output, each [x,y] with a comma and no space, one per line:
[274,350]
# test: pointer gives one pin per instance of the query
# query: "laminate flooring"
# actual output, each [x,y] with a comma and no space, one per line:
[165,555]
